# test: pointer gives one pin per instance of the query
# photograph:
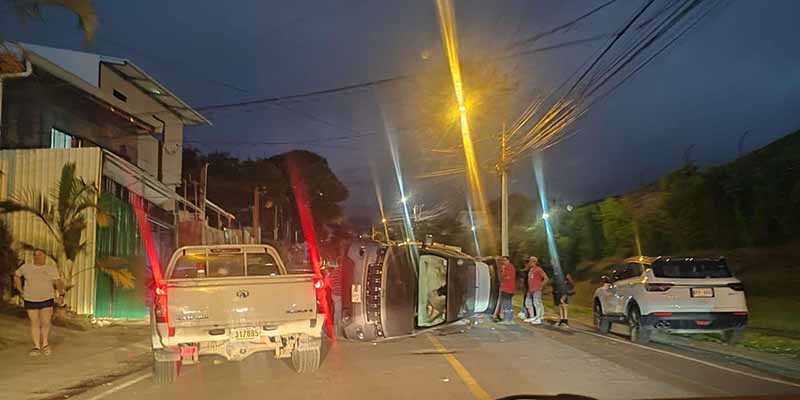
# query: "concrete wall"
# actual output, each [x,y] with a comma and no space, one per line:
[156,115]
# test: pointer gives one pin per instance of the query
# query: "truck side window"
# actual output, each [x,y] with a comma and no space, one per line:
[261,264]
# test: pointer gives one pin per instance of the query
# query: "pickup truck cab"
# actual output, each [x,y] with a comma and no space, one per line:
[673,295]
[233,301]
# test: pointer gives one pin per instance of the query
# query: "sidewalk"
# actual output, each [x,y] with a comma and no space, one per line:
[775,363]
[80,360]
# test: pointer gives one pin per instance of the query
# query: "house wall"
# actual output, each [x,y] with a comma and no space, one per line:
[38,171]
[150,111]
[33,106]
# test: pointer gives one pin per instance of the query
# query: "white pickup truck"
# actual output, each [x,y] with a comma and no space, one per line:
[233,301]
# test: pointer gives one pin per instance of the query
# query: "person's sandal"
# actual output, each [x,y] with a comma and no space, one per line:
[34,352]
[46,350]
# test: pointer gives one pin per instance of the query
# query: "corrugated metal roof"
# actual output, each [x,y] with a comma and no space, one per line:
[39,170]
[86,66]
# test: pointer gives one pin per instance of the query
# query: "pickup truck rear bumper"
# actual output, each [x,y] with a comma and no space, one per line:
[692,321]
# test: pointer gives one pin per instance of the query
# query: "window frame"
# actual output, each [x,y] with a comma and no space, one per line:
[243,251]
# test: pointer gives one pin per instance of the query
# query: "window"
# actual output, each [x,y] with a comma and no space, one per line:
[120,96]
[191,266]
[261,264]
[62,140]
[691,269]
[432,292]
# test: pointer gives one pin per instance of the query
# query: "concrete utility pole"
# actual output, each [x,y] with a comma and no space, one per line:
[503,196]
[256,215]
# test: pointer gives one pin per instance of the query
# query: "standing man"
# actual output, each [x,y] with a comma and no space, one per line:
[507,286]
[537,278]
[39,291]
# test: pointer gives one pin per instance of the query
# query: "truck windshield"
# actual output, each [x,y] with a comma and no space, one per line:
[432,296]
[223,265]
[691,269]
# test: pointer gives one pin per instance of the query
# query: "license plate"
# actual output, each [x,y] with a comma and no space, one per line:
[702,292]
[355,293]
[245,333]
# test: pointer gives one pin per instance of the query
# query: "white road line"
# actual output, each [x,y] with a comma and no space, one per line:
[706,363]
[120,387]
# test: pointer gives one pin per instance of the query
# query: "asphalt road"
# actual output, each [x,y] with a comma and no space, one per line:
[485,361]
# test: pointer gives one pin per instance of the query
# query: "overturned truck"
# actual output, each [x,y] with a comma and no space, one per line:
[399,289]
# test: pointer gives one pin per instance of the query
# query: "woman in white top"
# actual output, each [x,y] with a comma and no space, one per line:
[41,282]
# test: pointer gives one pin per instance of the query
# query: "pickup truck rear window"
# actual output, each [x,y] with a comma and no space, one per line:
[223,265]
[691,269]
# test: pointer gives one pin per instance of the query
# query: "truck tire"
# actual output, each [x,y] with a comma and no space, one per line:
[306,356]
[602,324]
[639,334]
[733,336]
[165,371]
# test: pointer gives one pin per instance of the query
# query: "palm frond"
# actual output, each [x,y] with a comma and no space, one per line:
[31,247]
[117,268]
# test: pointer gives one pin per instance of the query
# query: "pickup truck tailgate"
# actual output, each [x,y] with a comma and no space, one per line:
[247,301]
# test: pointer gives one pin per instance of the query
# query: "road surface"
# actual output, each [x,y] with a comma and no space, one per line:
[460,362]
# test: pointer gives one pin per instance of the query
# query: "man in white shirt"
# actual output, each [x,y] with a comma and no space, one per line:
[41,284]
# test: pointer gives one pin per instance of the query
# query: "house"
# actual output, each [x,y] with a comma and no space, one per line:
[124,132]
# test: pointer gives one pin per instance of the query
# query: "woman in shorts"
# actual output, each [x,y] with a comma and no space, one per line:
[41,282]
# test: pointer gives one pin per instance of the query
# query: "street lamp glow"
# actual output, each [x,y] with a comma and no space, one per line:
[404,199]
[545,216]
[383,221]
[472,228]
[462,108]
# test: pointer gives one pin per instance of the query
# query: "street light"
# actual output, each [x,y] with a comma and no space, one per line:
[403,199]
[383,221]
[472,228]
[545,216]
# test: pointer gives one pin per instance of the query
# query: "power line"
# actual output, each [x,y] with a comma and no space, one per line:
[561,27]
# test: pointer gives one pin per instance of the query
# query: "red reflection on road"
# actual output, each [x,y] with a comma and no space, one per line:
[309,233]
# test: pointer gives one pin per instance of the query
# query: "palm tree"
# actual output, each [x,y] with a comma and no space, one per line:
[64,213]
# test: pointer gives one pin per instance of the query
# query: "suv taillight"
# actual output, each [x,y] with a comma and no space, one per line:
[657,287]
[736,286]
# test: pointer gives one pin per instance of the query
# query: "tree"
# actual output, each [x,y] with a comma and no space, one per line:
[445,229]
[9,260]
[64,214]
[28,10]
[617,227]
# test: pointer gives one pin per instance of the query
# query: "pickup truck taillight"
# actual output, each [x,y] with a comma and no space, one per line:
[160,304]
[657,287]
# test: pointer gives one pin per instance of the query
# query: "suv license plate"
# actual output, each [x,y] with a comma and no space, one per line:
[245,333]
[702,292]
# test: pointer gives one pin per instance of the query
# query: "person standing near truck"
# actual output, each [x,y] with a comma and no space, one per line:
[537,279]
[507,286]
[41,282]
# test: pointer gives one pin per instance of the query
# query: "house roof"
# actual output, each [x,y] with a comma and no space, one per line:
[86,66]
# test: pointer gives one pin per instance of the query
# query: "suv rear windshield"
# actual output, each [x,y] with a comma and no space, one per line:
[691,269]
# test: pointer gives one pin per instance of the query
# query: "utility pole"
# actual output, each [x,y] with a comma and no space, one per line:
[256,215]
[275,222]
[204,184]
[503,195]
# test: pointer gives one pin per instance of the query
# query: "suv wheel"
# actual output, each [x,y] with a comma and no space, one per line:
[601,324]
[639,334]
[733,336]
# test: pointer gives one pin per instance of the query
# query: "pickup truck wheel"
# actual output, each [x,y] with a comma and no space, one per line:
[165,371]
[733,336]
[639,333]
[306,356]
[601,324]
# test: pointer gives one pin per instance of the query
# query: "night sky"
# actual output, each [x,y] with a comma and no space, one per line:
[737,71]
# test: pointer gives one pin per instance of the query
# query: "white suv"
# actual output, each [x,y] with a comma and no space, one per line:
[672,294]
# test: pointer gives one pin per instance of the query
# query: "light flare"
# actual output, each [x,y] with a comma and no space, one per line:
[447,25]
[547,217]
[303,203]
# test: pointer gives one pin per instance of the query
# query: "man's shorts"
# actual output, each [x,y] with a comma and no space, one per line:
[38,305]
[557,298]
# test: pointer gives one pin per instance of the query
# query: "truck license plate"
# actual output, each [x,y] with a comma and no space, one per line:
[245,333]
[355,293]
[702,292]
